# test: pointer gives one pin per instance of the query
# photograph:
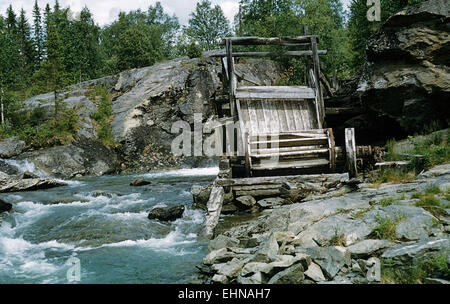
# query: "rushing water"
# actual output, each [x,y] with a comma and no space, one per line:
[103,222]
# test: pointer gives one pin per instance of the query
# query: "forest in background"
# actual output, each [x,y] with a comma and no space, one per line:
[59,48]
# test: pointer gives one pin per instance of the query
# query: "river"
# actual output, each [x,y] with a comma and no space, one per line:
[102,222]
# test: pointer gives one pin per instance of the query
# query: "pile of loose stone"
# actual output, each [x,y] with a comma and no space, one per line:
[296,243]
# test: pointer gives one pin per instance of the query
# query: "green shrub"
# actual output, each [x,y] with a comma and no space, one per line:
[433,189]
[385,228]
[434,266]
[432,204]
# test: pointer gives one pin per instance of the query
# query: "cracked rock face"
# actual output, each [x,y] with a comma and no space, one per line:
[407,74]
[145,105]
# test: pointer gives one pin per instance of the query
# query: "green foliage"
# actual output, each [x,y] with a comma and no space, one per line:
[435,149]
[433,189]
[208,25]
[103,114]
[435,266]
[324,18]
[386,226]
[387,201]
[138,39]
[338,239]
[432,204]
[393,175]
[35,130]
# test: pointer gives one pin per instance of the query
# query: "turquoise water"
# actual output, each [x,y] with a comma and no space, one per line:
[102,221]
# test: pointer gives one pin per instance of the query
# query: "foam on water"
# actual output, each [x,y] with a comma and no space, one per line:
[210,171]
[32,253]
[26,166]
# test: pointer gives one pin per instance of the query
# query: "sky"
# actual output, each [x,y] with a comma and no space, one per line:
[106,11]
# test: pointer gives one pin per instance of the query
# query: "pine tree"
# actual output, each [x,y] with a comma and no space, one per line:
[38,34]
[53,68]
[26,47]
[11,21]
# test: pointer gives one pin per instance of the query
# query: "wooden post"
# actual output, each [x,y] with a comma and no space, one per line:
[332,147]
[247,155]
[308,66]
[3,117]
[231,75]
[319,93]
[350,151]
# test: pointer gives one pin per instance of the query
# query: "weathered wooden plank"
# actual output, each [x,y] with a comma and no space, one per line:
[253,40]
[231,75]
[293,153]
[214,207]
[350,150]
[398,163]
[320,102]
[283,149]
[343,110]
[292,142]
[271,54]
[261,124]
[291,135]
[258,193]
[267,116]
[298,96]
[289,116]
[294,164]
[243,125]
[267,180]
[281,116]
[257,187]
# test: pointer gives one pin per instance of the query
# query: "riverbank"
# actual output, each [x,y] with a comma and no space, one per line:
[349,233]
[103,222]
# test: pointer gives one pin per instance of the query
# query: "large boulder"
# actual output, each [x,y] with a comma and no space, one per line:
[407,74]
[166,213]
[11,147]
[15,184]
[85,157]
[4,206]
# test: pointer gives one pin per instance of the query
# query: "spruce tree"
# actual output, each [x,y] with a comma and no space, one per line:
[26,47]
[38,34]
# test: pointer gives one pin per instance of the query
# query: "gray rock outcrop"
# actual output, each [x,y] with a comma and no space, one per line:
[407,74]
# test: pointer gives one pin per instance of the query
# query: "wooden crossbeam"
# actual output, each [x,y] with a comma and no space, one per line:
[271,54]
[269,41]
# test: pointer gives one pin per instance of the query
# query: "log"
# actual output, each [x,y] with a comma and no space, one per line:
[393,163]
[271,54]
[350,150]
[343,110]
[269,41]
[214,208]
[268,180]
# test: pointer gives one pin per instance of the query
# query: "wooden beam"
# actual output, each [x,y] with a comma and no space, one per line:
[343,110]
[268,180]
[271,54]
[350,150]
[275,92]
[319,94]
[268,41]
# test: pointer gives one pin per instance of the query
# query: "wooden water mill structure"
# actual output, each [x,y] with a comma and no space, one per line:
[281,128]
[278,135]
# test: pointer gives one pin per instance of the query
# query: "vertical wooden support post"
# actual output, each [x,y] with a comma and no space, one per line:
[332,147]
[319,93]
[350,151]
[231,76]
[247,155]
[308,61]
